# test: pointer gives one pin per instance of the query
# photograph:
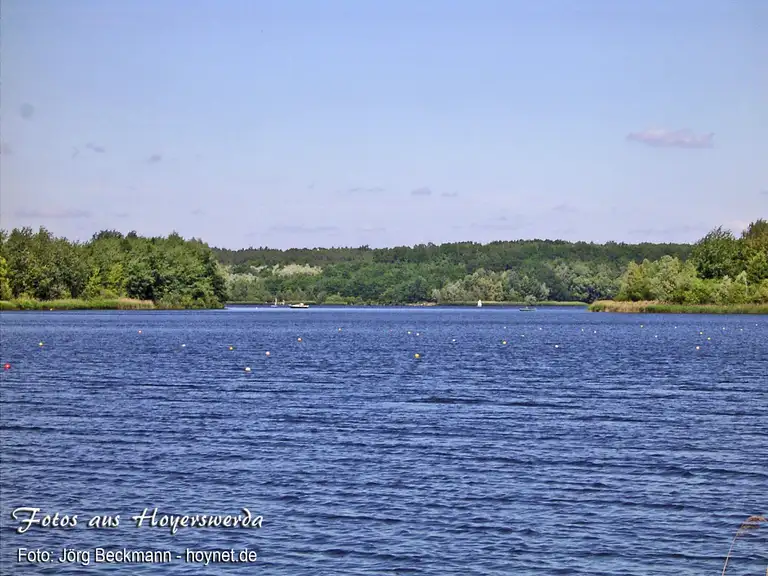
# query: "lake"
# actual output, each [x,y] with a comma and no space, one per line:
[553,442]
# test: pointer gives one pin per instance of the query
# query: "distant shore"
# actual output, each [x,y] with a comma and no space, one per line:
[548,303]
[79,304]
[648,307]
[651,307]
[20,305]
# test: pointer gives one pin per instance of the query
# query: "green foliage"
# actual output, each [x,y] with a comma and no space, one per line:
[175,272]
[724,270]
[5,286]
[717,254]
[447,274]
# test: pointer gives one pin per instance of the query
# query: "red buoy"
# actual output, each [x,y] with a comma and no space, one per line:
[7,366]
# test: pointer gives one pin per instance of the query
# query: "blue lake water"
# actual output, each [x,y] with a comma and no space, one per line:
[585,444]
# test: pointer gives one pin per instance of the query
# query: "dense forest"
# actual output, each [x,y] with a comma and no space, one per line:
[722,269]
[173,272]
[524,270]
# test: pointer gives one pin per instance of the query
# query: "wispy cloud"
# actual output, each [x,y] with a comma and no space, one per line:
[26,111]
[764,192]
[371,229]
[670,231]
[64,214]
[155,158]
[449,194]
[370,189]
[197,212]
[565,209]
[5,149]
[423,191]
[96,148]
[500,223]
[121,215]
[294,229]
[663,138]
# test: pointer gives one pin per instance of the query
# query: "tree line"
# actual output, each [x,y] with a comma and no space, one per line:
[722,269]
[516,271]
[174,272]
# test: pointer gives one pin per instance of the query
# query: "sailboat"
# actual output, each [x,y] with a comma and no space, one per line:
[275,304]
[479,303]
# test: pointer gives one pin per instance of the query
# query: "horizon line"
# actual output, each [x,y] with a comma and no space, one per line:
[359,247]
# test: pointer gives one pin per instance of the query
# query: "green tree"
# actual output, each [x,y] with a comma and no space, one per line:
[5,286]
[717,254]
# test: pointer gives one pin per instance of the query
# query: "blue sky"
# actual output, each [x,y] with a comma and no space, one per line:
[384,122]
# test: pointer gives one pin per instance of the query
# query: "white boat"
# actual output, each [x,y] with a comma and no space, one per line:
[302,305]
[479,303]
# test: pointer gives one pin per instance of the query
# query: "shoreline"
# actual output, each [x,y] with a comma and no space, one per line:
[75,304]
[608,306]
[652,307]
[543,304]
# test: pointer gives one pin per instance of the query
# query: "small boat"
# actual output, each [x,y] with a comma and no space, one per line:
[479,303]
[527,309]
[302,305]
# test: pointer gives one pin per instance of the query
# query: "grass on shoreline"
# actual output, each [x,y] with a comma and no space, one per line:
[652,307]
[77,304]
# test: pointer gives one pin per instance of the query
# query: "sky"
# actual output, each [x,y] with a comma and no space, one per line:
[300,123]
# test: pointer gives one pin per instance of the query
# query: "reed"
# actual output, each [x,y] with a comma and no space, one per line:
[77,304]
[654,307]
[751,523]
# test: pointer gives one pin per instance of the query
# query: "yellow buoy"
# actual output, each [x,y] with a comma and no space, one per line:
[504,342]
[40,344]
[417,355]
[231,347]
